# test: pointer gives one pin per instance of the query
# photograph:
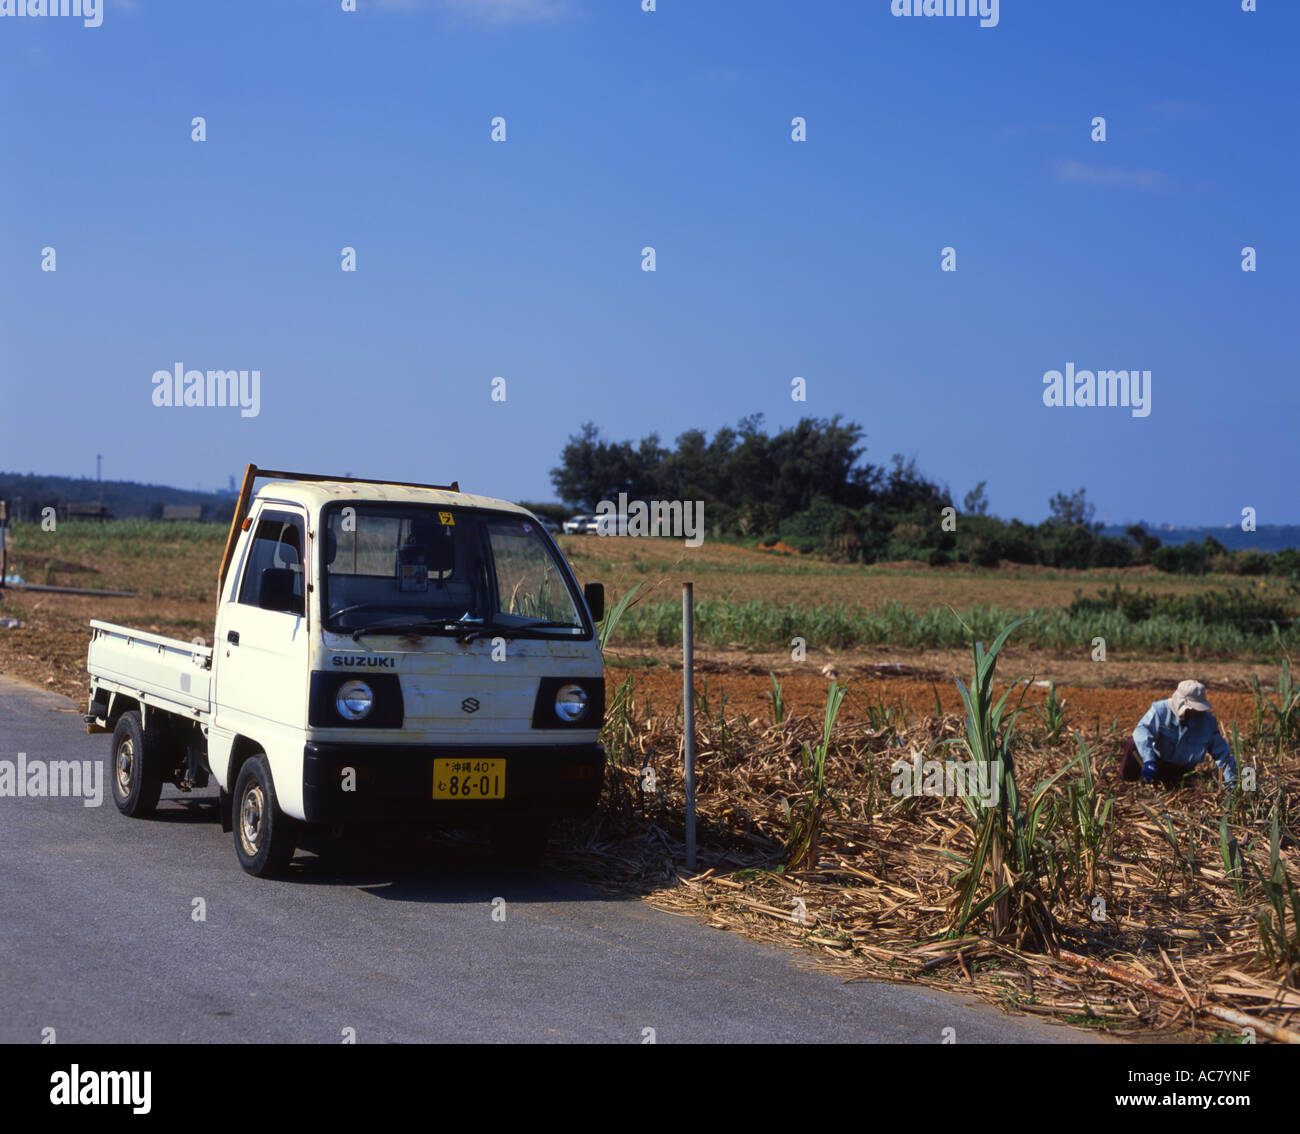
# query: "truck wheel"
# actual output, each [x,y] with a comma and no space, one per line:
[137,766]
[264,835]
[520,842]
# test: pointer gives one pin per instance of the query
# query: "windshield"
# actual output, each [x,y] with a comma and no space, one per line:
[401,568]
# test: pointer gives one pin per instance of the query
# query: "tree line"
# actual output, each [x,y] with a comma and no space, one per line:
[29,494]
[809,486]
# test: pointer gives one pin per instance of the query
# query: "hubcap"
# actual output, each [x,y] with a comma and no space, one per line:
[124,767]
[251,814]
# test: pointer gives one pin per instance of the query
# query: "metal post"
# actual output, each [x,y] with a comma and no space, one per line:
[688,714]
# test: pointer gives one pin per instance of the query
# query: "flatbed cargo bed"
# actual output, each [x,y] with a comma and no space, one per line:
[163,673]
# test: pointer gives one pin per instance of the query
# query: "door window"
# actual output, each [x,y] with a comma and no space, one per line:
[273,570]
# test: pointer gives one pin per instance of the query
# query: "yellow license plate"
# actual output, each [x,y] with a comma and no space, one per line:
[469,779]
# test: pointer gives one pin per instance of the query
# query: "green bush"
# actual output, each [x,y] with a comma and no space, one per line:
[1252,563]
[1235,607]
[1110,552]
[1186,559]
[1066,546]
[1286,562]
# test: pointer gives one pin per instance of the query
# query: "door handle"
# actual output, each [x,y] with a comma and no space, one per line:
[232,636]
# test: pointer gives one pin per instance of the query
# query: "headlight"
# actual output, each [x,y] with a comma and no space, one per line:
[570,702]
[354,700]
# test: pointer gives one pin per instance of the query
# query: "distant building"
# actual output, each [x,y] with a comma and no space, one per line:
[86,510]
[183,512]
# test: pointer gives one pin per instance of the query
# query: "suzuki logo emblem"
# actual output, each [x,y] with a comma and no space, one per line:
[470,705]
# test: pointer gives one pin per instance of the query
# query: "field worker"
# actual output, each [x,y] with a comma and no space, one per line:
[1173,737]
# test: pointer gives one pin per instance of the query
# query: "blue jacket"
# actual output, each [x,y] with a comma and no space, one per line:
[1161,735]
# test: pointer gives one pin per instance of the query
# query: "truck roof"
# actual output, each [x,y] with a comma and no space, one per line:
[313,494]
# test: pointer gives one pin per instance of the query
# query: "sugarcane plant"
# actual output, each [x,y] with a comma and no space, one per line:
[1233,863]
[1279,942]
[1088,811]
[1006,836]
[619,729]
[614,615]
[806,818]
[1279,720]
[777,698]
[1052,714]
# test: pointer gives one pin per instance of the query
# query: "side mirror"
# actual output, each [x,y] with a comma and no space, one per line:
[594,593]
[277,592]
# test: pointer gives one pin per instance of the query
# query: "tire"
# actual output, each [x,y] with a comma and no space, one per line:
[520,842]
[136,770]
[264,835]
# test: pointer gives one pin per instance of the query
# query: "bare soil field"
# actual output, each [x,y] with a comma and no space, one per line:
[913,683]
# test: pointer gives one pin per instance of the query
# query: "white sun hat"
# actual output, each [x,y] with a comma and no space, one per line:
[1189,695]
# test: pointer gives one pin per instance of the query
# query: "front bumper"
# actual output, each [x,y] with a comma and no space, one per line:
[395,782]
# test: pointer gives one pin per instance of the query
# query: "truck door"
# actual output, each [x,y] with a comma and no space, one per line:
[261,673]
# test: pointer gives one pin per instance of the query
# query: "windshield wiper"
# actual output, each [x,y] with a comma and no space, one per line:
[426,626]
[510,631]
[470,628]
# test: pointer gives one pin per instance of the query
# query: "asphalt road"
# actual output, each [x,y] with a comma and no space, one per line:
[98,940]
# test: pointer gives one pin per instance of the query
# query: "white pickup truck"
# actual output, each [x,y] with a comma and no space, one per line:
[384,652]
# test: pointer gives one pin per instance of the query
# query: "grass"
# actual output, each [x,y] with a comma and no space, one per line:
[766,626]
[178,560]
[761,601]
[729,570]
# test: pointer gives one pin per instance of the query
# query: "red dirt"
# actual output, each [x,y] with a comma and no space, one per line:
[804,693]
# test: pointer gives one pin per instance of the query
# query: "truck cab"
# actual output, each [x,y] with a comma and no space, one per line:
[383,652]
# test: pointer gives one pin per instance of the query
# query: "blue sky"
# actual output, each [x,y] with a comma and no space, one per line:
[775,259]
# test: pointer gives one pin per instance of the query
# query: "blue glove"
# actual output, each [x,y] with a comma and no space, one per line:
[1149,772]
